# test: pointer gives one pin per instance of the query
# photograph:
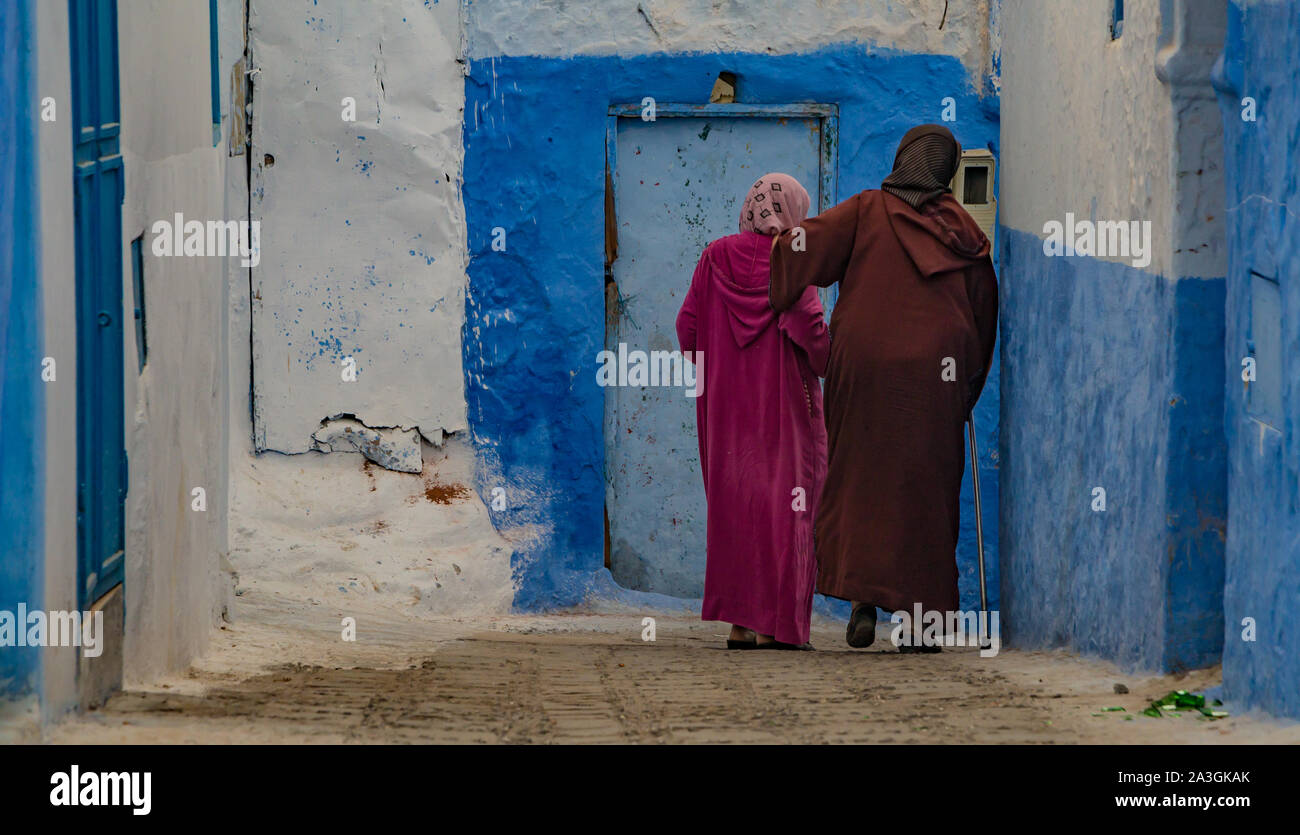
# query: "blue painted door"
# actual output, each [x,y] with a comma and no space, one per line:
[678,184]
[98,185]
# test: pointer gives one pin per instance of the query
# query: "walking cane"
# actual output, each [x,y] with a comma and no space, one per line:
[979,525]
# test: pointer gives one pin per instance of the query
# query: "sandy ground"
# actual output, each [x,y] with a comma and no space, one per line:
[281,673]
[437,657]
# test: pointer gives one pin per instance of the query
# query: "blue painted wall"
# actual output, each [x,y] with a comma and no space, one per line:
[1262,60]
[1112,378]
[535,166]
[22,418]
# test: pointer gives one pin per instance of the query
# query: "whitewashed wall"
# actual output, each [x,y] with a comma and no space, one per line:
[1056,73]
[177,433]
[363,229]
[1065,69]
[565,27]
[58,283]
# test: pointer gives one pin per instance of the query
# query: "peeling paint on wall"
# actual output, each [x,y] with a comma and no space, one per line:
[391,447]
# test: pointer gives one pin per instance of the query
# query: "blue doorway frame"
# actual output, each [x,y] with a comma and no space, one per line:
[98,186]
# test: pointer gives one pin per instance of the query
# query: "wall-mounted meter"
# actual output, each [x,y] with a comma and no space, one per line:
[973,188]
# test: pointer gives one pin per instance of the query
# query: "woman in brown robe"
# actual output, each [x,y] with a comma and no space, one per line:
[911,341]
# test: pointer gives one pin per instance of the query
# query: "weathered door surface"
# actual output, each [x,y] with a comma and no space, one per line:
[678,184]
[358,293]
[98,187]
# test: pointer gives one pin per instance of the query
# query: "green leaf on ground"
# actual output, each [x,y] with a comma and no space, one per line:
[1180,701]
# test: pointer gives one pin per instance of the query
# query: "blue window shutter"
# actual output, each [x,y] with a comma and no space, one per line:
[214,54]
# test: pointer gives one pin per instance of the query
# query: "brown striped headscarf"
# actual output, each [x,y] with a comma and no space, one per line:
[924,165]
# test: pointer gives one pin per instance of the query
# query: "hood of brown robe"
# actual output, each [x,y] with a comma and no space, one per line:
[938,238]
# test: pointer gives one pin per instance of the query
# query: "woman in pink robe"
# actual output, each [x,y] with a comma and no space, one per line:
[762,434]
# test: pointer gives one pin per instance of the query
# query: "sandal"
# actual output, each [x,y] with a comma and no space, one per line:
[861,631]
[804,647]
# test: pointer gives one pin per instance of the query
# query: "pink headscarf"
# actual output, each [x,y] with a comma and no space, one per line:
[774,204]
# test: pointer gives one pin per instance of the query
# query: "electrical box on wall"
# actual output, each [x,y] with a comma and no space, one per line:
[973,187]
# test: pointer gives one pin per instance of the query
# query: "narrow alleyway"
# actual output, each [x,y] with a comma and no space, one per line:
[278,675]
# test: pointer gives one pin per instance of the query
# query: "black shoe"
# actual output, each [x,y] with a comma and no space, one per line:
[907,648]
[862,626]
